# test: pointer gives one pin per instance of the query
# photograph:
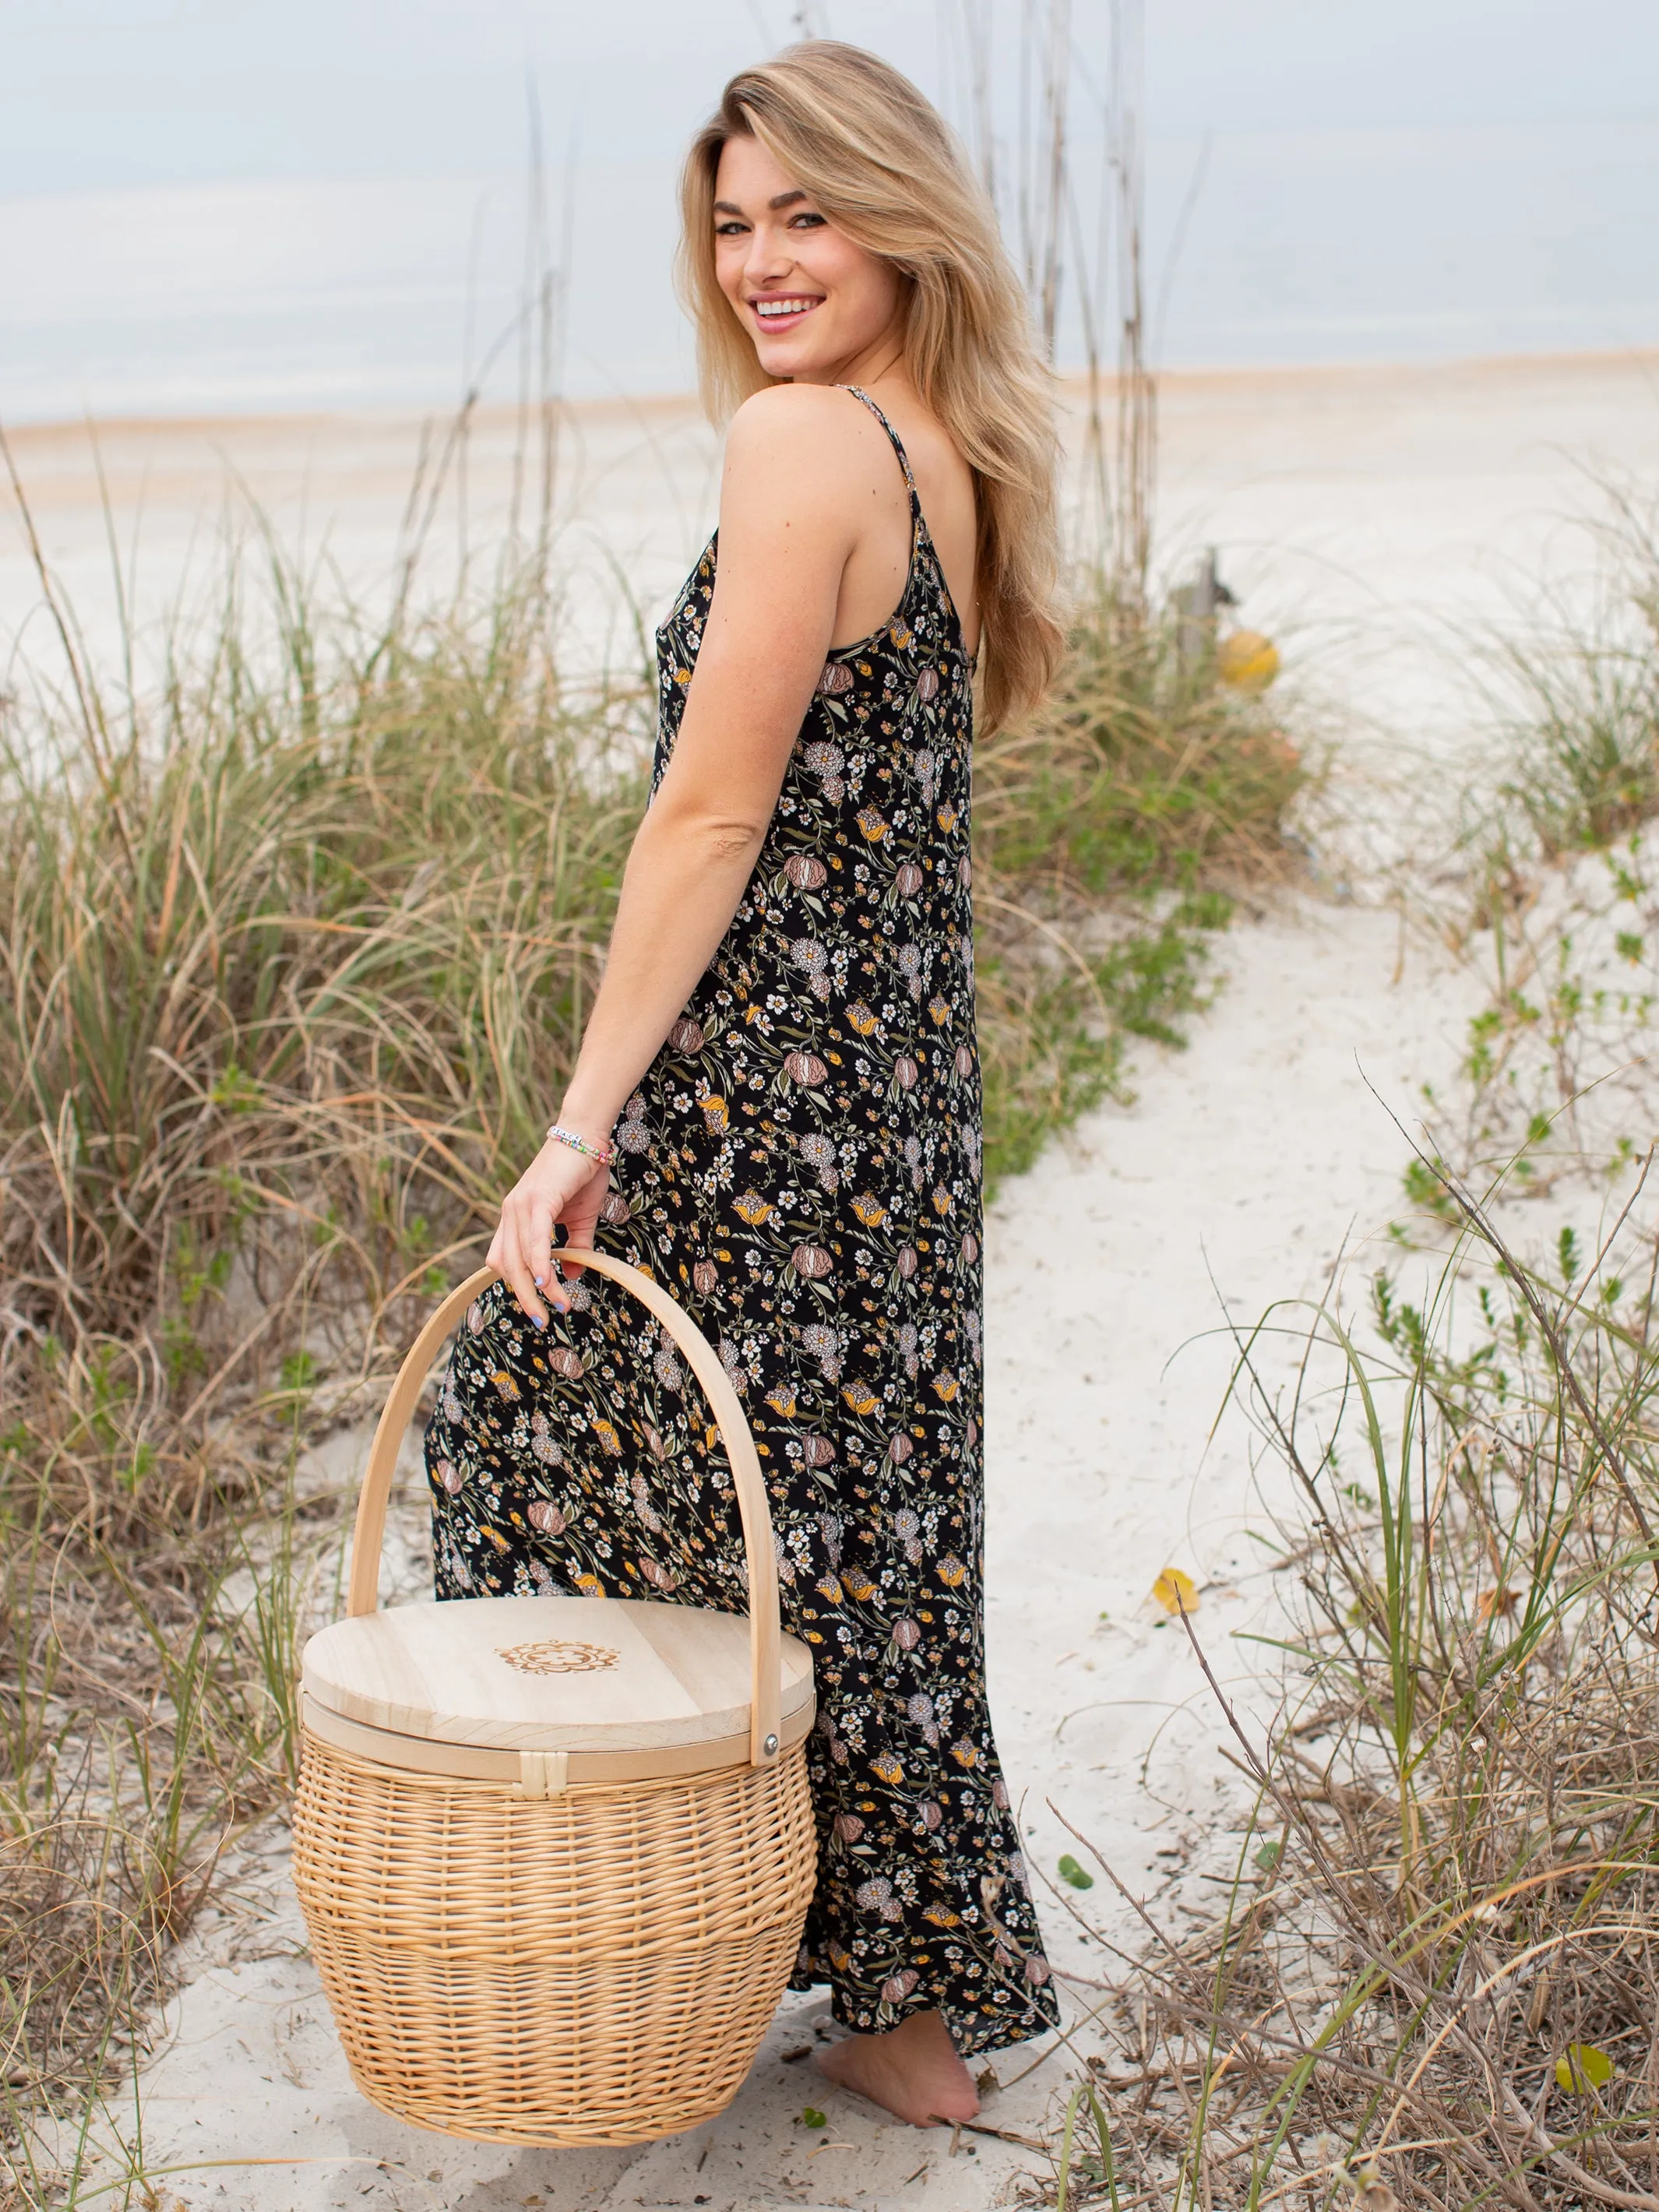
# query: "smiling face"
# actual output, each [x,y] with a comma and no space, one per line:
[819,308]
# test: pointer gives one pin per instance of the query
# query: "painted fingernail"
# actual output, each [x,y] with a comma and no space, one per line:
[541,1320]
[538,1280]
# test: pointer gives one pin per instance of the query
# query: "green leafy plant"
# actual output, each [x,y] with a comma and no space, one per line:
[1430,1976]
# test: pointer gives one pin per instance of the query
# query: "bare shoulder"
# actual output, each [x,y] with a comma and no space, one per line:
[816,435]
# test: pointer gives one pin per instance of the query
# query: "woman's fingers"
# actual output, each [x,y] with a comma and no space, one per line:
[581,1215]
[539,1244]
[516,1267]
[523,1249]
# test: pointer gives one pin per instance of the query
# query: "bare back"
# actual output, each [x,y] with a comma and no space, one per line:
[872,582]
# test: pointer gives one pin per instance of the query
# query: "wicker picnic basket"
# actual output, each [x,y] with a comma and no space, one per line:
[555,1853]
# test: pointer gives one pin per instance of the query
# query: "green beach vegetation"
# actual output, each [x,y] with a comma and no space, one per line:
[298,944]
[1429,1971]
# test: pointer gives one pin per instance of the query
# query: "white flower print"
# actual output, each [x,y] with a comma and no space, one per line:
[825,1344]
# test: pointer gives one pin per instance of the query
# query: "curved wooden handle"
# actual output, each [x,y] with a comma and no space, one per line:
[363,1590]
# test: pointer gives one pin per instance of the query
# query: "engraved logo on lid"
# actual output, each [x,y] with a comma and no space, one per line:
[553,1657]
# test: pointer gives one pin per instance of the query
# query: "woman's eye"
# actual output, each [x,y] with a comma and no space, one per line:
[812,221]
[730,229]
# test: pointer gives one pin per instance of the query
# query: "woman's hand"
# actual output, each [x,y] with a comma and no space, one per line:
[560,1185]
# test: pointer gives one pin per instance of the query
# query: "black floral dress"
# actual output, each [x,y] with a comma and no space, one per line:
[801,1168]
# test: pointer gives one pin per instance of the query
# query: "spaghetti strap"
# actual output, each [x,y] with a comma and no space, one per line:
[903,458]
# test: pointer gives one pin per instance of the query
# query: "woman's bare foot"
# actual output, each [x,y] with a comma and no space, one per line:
[913,2071]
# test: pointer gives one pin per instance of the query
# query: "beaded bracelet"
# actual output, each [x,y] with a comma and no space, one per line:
[604,1154]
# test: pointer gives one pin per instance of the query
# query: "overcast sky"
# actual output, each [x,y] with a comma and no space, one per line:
[102,92]
[236,204]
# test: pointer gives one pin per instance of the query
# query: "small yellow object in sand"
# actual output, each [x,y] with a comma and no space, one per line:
[1246,661]
[1583,2067]
[1175,1592]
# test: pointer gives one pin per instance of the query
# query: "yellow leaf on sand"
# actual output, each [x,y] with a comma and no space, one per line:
[1175,1592]
[1583,2067]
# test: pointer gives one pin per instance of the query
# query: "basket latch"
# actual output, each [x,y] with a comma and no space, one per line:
[544,1773]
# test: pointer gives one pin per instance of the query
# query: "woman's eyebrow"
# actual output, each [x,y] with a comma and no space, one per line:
[779,200]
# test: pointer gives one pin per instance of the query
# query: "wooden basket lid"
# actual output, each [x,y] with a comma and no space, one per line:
[549,1673]
[770,1673]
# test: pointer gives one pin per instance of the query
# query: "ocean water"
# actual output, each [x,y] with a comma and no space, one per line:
[1297,247]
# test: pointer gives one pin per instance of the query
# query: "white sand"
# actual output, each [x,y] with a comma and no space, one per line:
[1241,1170]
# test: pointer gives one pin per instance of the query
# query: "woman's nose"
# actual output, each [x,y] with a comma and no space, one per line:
[769,255]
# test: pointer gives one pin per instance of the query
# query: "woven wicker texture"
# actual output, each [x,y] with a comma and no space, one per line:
[594,1967]
[543,1960]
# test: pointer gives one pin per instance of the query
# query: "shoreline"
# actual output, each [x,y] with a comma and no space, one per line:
[1351,376]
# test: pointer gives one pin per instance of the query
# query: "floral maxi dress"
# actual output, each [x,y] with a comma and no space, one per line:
[800,1167]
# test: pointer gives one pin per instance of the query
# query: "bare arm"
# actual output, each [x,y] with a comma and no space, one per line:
[791,511]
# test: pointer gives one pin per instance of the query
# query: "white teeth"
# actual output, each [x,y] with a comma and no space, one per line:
[770,307]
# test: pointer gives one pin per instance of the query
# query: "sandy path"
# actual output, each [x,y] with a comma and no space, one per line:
[1243,1166]
[1254,1157]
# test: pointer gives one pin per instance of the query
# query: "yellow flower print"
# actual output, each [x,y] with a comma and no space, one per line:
[750,1208]
[713,1111]
[505,1385]
[941,1199]
[951,1571]
[940,1010]
[859,1397]
[590,1584]
[829,1586]
[948,819]
[608,1436]
[887,1767]
[946,1385]
[782,1401]
[860,1017]
[682,676]
[940,1918]
[901,636]
[857,1588]
[870,1210]
[871,823]
[965,1754]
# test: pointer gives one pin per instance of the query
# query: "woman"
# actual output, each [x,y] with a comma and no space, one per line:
[784,1047]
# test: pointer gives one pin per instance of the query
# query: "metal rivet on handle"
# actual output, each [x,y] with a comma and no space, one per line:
[770,1746]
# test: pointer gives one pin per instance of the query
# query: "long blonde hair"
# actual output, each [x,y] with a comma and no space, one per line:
[881,163]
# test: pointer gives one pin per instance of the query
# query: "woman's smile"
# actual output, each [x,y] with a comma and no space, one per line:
[784,310]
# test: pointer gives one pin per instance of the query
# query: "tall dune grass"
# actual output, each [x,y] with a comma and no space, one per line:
[295,951]
[1431,1974]
[298,944]
[1432,1978]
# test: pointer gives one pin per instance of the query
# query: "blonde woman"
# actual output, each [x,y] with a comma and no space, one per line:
[776,1108]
